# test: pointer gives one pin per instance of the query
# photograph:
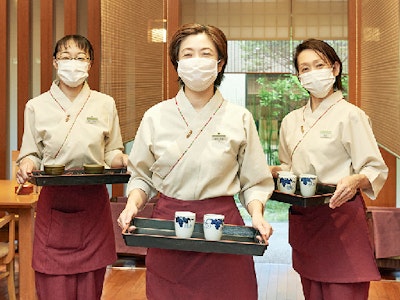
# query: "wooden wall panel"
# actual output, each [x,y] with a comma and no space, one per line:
[173,10]
[353,42]
[46,44]
[4,79]
[387,196]
[70,17]
[24,60]
[94,36]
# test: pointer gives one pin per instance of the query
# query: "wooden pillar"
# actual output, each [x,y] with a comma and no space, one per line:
[46,44]
[4,80]
[94,36]
[354,40]
[70,17]
[24,61]
[173,10]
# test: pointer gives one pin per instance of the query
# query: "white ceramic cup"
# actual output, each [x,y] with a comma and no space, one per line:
[212,226]
[184,223]
[284,173]
[308,184]
[287,182]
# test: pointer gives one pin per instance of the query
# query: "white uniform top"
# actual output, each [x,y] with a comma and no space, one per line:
[58,131]
[337,141]
[221,156]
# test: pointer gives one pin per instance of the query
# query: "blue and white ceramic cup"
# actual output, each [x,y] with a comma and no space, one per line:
[212,226]
[308,184]
[287,182]
[184,223]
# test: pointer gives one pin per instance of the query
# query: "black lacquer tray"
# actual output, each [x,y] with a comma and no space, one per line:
[156,233]
[322,195]
[78,177]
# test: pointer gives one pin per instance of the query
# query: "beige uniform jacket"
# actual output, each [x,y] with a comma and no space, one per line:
[191,155]
[58,131]
[337,141]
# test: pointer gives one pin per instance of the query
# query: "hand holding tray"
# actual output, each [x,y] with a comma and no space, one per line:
[156,233]
[323,193]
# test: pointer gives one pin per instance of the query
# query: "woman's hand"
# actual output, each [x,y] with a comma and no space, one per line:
[274,170]
[124,219]
[256,209]
[263,227]
[26,166]
[346,189]
[120,161]
[136,200]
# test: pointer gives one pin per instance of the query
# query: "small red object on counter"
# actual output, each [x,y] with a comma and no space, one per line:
[25,190]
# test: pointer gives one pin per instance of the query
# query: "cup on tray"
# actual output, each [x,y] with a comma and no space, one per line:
[287,182]
[308,184]
[212,226]
[184,223]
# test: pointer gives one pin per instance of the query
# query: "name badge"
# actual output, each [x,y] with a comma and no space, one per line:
[92,120]
[325,134]
[219,137]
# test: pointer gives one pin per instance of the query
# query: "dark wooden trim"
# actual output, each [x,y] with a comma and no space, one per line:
[70,17]
[46,44]
[24,61]
[173,23]
[4,81]
[353,43]
[94,36]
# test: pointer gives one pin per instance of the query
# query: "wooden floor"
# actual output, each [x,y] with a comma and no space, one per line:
[127,280]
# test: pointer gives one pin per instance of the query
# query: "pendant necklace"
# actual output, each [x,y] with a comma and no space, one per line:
[205,124]
[68,116]
[190,132]
[67,119]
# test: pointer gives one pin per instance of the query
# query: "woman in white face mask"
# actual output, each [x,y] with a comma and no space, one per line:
[197,151]
[71,125]
[333,139]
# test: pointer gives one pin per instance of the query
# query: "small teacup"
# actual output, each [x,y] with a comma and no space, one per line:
[308,184]
[212,226]
[184,223]
[287,182]
[284,173]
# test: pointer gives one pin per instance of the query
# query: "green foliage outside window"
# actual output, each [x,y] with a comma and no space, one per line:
[277,98]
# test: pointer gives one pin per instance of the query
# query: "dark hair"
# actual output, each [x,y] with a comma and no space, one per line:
[325,51]
[215,34]
[82,43]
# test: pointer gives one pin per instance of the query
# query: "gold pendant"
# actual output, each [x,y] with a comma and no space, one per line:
[189,134]
[67,118]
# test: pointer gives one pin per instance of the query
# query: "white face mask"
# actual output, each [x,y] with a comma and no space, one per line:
[72,72]
[198,73]
[318,82]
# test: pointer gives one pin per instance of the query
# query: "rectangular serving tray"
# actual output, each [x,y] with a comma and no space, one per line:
[323,193]
[78,177]
[157,233]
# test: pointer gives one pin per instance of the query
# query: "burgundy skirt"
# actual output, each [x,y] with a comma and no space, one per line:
[73,230]
[173,274]
[332,245]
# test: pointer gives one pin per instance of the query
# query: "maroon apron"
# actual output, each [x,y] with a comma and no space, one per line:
[173,274]
[332,245]
[73,230]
